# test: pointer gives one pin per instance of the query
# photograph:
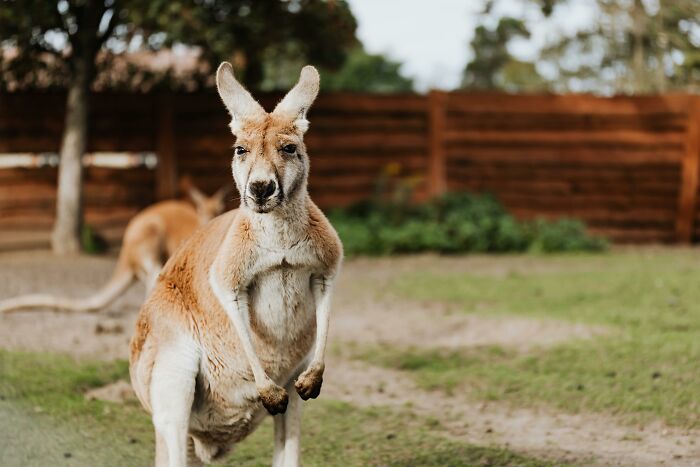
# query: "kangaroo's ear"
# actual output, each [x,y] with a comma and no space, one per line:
[238,101]
[197,196]
[299,99]
[223,191]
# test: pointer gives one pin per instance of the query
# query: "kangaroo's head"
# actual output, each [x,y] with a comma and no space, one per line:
[270,165]
[208,207]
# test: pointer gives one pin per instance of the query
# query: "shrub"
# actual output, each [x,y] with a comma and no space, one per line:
[91,241]
[561,236]
[454,223]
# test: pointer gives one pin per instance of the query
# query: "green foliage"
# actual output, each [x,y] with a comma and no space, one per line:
[364,72]
[454,223]
[91,242]
[493,67]
[52,37]
[563,235]
[253,34]
[631,47]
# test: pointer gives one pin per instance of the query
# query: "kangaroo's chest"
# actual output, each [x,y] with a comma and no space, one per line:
[281,303]
[282,316]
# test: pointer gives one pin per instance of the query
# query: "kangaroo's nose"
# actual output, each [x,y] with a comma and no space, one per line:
[262,190]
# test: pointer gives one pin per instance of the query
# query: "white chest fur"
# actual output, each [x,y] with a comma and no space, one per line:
[281,310]
[279,293]
[281,302]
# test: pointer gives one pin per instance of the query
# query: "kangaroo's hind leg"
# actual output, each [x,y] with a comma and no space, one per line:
[278,456]
[288,432]
[171,394]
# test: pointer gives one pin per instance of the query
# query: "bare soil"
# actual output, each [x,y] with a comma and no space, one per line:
[364,314]
[583,438]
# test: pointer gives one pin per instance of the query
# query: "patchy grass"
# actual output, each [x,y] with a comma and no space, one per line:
[633,290]
[638,381]
[46,420]
[645,369]
[55,383]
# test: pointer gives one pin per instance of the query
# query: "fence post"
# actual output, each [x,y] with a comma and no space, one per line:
[690,173]
[166,170]
[437,110]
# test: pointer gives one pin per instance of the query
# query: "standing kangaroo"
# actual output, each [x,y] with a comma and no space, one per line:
[150,238]
[238,320]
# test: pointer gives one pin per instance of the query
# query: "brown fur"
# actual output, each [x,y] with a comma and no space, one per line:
[158,231]
[185,276]
[180,303]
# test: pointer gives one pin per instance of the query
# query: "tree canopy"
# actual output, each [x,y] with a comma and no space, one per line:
[493,66]
[632,46]
[41,38]
[365,72]
[249,32]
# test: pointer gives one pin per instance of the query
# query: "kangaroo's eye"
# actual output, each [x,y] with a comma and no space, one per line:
[290,148]
[240,150]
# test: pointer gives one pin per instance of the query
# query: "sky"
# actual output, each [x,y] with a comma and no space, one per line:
[431,37]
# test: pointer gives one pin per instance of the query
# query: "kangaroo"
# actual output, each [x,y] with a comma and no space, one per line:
[237,322]
[150,238]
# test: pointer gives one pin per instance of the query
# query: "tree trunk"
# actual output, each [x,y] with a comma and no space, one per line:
[639,67]
[65,238]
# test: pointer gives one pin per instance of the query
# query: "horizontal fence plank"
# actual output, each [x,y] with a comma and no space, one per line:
[574,138]
[570,104]
[503,121]
[517,154]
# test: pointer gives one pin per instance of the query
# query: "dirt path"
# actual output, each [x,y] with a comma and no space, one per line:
[585,438]
[362,312]
[368,318]
[103,335]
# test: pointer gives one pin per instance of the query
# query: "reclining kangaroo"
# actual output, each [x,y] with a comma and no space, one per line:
[150,238]
[238,319]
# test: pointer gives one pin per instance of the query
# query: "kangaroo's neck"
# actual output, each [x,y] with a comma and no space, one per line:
[284,226]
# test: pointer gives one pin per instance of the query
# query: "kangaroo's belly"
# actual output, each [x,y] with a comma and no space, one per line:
[282,317]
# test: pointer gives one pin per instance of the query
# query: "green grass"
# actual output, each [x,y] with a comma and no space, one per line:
[25,378]
[629,289]
[47,421]
[645,368]
[46,418]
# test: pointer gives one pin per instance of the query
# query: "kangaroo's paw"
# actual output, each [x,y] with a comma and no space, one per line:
[274,398]
[308,384]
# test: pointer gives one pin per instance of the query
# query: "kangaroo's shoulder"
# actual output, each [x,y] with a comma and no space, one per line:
[324,238]
[201,247]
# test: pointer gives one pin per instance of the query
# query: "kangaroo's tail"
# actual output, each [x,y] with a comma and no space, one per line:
[120,281]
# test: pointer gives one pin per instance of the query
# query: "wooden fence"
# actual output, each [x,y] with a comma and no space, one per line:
[627,166]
